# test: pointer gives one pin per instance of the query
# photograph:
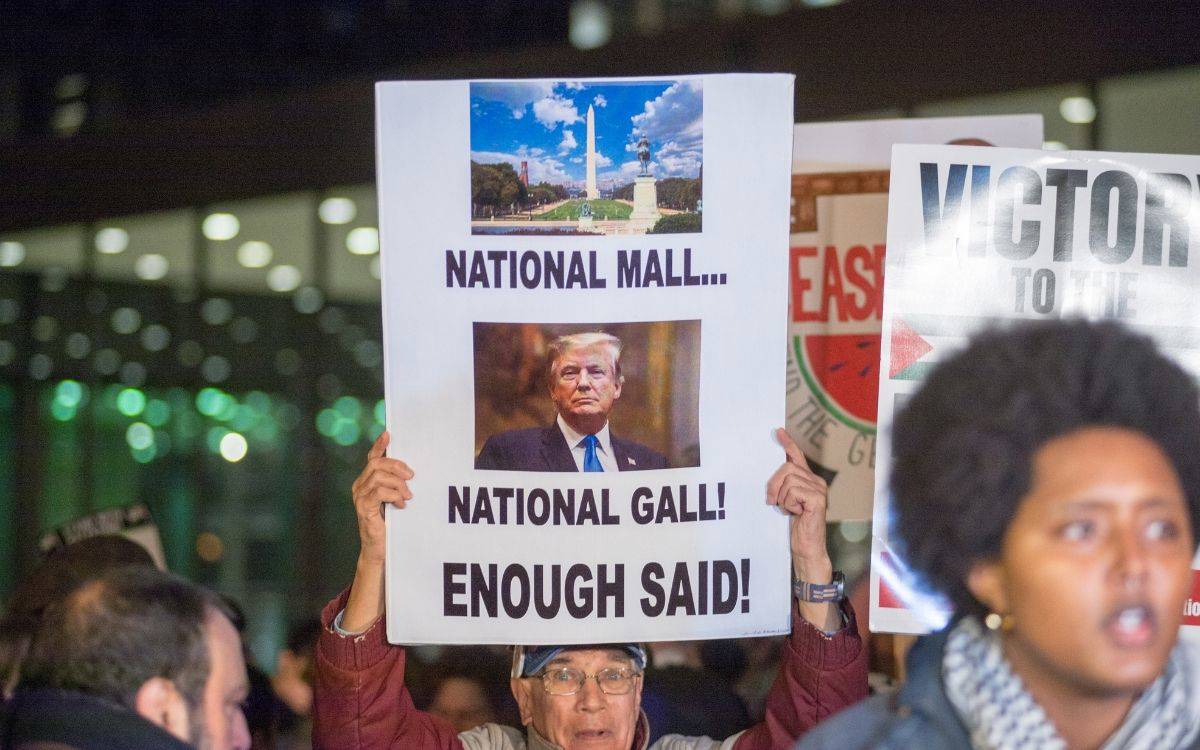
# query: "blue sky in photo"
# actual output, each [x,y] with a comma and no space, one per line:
[545,124]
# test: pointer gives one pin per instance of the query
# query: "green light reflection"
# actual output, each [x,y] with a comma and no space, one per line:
[349,407]
[158,412]
[140,436]
[131,402]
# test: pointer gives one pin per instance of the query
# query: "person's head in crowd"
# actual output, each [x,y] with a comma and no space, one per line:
[462,699]
[468,688]
[264,712]
[585,378]
[580,697]
[152,643]
[55,576]
[1046,479]
[293,678]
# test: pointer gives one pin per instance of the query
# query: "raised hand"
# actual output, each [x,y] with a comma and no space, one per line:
[383,480]
[803,495]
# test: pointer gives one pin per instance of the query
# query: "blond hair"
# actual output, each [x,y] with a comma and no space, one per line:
[572,341]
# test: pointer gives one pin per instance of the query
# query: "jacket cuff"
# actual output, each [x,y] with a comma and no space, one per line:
[353,652]
[822,651]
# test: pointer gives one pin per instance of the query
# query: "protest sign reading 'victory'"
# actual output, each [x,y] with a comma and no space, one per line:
[584,300]
[979,236]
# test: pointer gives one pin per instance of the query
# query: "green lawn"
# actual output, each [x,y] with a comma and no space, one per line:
[601,209]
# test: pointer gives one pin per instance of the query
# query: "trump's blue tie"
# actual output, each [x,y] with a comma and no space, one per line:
[590,461]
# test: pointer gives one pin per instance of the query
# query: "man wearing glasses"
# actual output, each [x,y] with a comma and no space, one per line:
[578,697]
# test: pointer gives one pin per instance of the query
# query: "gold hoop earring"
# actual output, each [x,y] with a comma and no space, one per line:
[995,621]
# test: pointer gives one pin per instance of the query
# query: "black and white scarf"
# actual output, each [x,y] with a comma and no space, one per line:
[1001,715]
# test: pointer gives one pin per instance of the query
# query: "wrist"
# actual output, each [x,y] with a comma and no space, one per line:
[369,562]
[813,570]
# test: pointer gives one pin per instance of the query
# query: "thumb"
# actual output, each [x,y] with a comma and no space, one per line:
[380,446]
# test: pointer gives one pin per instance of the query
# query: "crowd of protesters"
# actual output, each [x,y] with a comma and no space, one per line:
[1045,481]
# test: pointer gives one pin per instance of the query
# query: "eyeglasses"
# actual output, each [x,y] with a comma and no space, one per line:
[569,681]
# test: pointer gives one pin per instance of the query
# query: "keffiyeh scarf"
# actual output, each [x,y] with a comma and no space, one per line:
[1001,715]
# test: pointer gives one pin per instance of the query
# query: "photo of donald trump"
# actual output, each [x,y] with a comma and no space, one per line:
[584,381]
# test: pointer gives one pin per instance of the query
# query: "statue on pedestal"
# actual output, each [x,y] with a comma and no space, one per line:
[643,155]
[645,194]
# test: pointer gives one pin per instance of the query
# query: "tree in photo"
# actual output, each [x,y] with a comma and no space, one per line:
[676,224]
[495,189]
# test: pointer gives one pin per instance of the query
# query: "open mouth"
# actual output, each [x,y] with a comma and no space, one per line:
[593,735]
[1131,626]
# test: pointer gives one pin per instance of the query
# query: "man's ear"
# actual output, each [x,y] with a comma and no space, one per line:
[985,580]
[522,690]
[160,703]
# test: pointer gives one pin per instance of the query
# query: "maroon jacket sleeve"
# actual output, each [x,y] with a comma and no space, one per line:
[819,676]
[360,701]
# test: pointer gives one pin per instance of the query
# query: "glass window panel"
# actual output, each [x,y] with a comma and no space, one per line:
[1152,112]
[350,270]
[286,223]
[892,113]
[170,235]
[1045,101]
[41,249]
[8,540]
[64,495]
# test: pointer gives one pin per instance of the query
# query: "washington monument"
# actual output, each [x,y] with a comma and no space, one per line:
[592,192]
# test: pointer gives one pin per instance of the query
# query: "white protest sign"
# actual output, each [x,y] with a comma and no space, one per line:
[516,212]
[839,225]
[977,236]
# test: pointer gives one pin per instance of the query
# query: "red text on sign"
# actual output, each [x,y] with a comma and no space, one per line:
[850,285]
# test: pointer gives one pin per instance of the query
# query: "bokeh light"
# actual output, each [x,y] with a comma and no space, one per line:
[363,241]
[233,447]
[131,402]
[220,226]
[209,547]
[140,436]
[337,210]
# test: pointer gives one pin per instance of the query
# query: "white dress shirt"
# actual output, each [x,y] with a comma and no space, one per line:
[604,450]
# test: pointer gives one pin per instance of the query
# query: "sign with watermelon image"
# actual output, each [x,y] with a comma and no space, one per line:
[842,371]
[840,181]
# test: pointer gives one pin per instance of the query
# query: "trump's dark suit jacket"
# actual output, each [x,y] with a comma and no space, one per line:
[545,449]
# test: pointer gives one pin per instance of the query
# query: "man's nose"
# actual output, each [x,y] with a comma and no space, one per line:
[590,697]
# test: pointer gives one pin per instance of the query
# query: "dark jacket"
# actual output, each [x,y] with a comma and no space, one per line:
[919,715]
[545,449]
[67,720]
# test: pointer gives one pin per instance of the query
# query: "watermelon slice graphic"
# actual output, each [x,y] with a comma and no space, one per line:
[842,370]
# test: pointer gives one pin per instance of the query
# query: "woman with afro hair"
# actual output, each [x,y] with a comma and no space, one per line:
[1046,480]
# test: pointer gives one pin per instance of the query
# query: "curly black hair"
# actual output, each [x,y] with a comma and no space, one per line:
[963,445]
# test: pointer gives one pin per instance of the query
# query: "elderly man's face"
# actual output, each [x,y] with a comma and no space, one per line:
[585,386]
[590,719]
